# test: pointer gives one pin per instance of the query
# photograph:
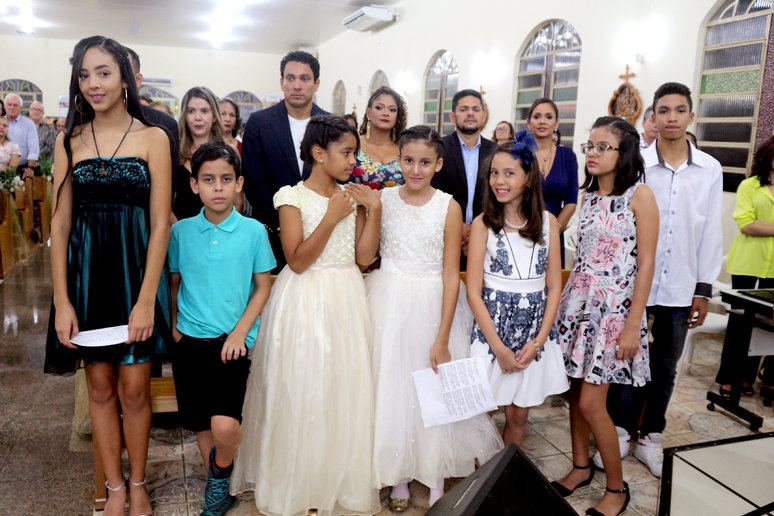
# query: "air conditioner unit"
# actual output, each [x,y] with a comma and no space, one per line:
[156,81]
[370,18]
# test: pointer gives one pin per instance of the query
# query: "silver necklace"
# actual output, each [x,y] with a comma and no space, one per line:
[514,226]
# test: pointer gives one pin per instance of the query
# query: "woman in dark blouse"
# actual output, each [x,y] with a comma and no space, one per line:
[558,165]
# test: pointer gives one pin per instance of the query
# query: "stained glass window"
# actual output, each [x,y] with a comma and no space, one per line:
[441,83]
[248,103]
[378,80]
[159,95]
[549,67]
[339,99]
[28,91]
[730,85]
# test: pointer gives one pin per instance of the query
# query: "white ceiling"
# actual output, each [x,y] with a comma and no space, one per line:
[270,26]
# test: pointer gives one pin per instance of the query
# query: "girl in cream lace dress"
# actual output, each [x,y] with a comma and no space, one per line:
[308,413]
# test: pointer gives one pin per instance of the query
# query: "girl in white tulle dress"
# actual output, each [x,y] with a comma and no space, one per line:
[423,322]
[514,281]
[308,412]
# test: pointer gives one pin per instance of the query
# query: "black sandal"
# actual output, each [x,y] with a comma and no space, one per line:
[748,390]
[564,491]
[593,512]
[724,393]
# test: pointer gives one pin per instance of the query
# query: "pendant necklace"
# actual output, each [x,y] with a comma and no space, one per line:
[102,171]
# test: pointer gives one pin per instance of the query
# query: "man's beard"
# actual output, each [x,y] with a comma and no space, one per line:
[467,130]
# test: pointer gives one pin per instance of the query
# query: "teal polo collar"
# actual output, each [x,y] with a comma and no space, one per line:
[228,225]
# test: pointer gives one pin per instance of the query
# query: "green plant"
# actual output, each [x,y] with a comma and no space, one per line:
[46,167]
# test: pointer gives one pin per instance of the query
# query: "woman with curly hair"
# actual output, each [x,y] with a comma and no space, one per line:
[377,161]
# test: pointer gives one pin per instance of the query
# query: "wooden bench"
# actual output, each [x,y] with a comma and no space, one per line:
[41,206]
[25,207]
[7,259]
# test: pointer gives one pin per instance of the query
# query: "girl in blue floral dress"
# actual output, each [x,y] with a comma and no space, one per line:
[514,281]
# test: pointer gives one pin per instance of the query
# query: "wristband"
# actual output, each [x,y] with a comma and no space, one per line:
[538,351]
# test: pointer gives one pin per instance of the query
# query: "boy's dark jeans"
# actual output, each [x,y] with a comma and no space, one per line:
[625,403]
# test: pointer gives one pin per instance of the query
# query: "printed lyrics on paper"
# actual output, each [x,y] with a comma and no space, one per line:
[459,391]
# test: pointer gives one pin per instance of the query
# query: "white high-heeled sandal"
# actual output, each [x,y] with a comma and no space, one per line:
[139,484]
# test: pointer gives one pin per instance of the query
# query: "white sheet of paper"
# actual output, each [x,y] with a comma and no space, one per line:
[102,337]
[459,391]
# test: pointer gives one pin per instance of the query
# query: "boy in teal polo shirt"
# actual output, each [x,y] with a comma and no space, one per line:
[221,264]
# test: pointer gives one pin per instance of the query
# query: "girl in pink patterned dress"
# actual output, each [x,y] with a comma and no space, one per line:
[601,319]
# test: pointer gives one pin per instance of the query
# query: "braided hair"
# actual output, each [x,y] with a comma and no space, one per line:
[425,134]
[323,130]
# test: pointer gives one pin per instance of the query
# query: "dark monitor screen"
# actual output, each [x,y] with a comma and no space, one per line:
[508,484]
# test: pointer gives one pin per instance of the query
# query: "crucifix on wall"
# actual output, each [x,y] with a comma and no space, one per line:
[626,101]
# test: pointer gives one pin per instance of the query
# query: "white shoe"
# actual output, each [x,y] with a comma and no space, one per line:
[623,446]
[649,451]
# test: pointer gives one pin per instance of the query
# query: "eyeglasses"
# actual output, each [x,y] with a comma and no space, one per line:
[599,148]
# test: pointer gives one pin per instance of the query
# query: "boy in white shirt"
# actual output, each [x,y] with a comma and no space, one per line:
[688,185]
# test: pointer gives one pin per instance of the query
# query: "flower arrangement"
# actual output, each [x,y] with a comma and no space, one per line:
[47,168]
[9,180]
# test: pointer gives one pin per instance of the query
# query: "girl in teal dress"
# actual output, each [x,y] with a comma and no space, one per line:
[109,235]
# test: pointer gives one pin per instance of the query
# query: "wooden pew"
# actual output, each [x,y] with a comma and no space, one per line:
[7,260]
[41,206]
[25,207]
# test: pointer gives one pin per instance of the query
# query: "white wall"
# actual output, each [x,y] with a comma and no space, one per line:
[45,62]
[486,38]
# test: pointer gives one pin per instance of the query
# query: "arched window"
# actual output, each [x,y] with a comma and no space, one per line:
[28,91]
[159,95]
[248,103]
[549,67]
[378,80]
[441,82]
[731,87]
[339,99]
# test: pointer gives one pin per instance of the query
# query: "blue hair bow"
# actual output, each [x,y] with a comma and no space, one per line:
[523,144]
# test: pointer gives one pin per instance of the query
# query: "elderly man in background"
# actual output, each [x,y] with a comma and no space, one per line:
[59,125]
[22,131]
[46,132]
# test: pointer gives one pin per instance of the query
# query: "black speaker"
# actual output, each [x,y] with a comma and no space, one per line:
[508,484]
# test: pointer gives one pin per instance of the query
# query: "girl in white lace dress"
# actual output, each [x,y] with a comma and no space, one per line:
[423,322]
[514,282]
[308,412]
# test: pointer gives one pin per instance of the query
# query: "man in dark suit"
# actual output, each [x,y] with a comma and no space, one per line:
[272,139]
[465,152]
[154,116]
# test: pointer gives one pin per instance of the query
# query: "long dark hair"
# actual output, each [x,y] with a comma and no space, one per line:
[630,168]
[80,112]
[400,119]
[531,199]
[761,165]
[238,122]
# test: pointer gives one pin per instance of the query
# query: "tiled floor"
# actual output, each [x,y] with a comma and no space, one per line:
[46,468]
